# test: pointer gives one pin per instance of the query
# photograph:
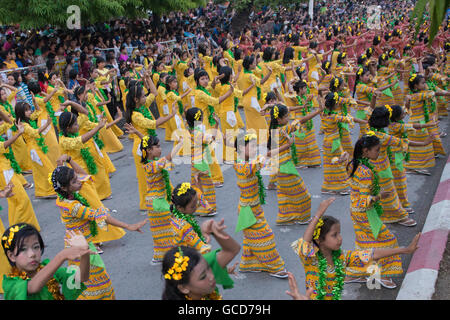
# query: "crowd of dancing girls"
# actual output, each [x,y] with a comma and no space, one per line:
[392,84]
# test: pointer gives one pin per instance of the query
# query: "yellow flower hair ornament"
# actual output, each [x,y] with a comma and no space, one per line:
[411,79]
[8,240]
[370,133]
[388,107]
[336,97]
[319,225]
[185,186]
[264,96]
[336,82]
[198,115]
[275,112]
[327,64]
[360,71]
[179,266]
[250,136]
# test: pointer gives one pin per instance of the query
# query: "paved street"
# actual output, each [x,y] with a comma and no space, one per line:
[128,260]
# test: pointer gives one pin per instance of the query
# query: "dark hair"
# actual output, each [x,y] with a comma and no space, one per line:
[183,199]
[34,87]
[397,111]
[270,96]
[288,55]
[169,79]
[267,54]
[66,120]
[171,291]
[20,109]
[358,77]
[79,90]
[329,101]
[299,85]
[328,222]
[326,63]
[190,113]
[227,71]
[333,87]
[25,230]
[134,92]
[61,178]
[248,60]
[379,118]
[341,56]
[365,141]
[73,74]
[200,73]
[152,141]
[282,111]
[416,80]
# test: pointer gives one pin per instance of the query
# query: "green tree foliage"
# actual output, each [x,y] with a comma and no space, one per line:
[38,13]
[436,10]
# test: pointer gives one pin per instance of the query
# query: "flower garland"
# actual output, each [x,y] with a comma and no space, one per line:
[305,111]
[40,141]
[86,155]
[180,104]
[92,224]
[189,219]
[12,159]
[212,296]
[147,114]
[375,188]
[339,279]
[8,107]
[261,188]
[50,111]
[258,89]
[52,285]
[388,149]
[211,119]
[93,118]
[405,136]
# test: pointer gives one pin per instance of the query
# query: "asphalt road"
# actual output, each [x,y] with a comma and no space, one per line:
[128,260]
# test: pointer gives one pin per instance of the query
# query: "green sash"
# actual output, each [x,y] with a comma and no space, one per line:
[336,144]
[246,219]
[386,174]
[161,205]
[95,259]
[289,168]
[374,221]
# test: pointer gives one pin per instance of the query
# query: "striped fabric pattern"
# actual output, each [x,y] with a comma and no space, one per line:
[162,232]
[184,235]
[294,200]
[361,184]
[76,217]
[335,176]
[259,251]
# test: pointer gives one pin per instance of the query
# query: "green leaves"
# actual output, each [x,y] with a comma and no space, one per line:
[436,12]
[38,13]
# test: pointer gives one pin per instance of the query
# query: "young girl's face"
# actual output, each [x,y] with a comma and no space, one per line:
[333,239]
[154,151]
[28,257]
[28,112]
[191,207]
[203,81]
[283,120]
[73,128]
[11,80]
[372,153]
[201,281]
[365,77]
[421,85]
[53,79]
[74,185]
[173,85]
[3,95]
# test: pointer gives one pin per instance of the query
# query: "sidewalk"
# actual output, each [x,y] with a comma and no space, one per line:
[420,280]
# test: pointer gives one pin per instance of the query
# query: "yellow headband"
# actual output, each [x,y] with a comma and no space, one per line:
[185,186]
[275,112]
[370,133]
[198,115]
[179,266]
[319,225]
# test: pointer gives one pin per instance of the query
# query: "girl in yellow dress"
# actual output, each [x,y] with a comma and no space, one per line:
[5,268]
[41,165]
[175,126]
[78,147]
[252,84]
[324,261]
[20,208]
[19,147]
[41,100]
[77,215]
[138,114]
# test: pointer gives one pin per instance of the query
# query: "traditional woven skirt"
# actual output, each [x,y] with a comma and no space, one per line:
[420,157]
[259,252]
[207,197]
[162,231]
[392,209]
[400,185]
[294,200]
[99,286]
[335,177]
[308,153]
[364,239]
